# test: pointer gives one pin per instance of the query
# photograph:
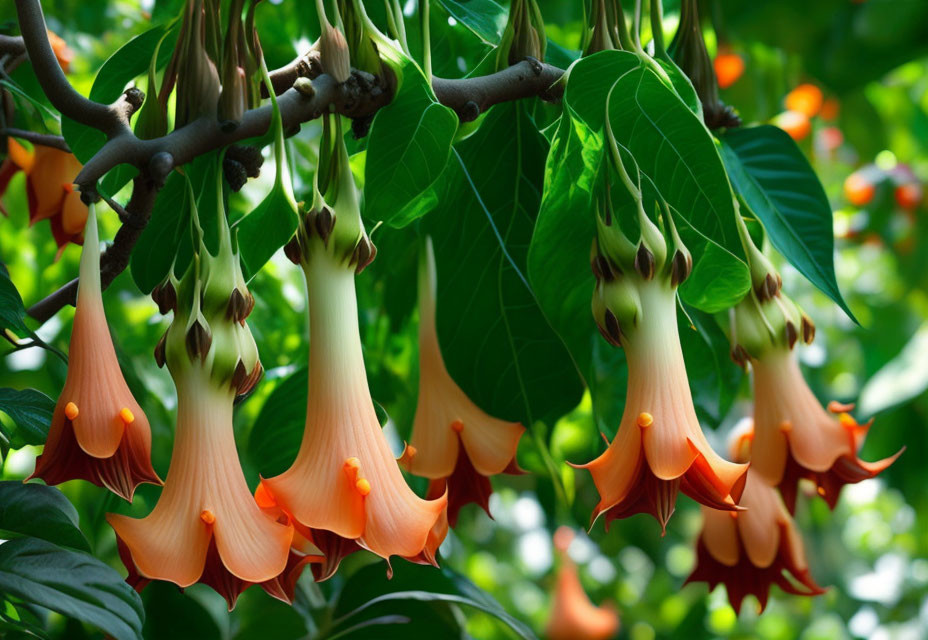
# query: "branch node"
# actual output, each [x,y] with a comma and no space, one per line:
[135,97]
[159,167]
[535,64]
[470,111]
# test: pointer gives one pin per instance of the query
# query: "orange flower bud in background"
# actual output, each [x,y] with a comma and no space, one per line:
[805,99]
[62,52]
[454,443]
[573,616]
[795,123]
[98,433]
[858,189]
[830,109]
[728,68]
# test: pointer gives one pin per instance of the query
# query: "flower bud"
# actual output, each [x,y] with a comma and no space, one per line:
[524,36]
[334,55]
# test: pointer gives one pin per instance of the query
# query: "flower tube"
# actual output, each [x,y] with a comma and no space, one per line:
[659,449]
[99,433]
[795,437]
[573,616]
[751,550]
[454,443]
[206,526]
[345,489]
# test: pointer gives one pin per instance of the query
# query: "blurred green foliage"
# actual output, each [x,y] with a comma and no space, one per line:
[873,550]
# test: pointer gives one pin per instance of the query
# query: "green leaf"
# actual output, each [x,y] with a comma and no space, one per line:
[367,590]
[155,250]
[74,584]
[41,512]
[176,615]
[408,148]
[781,188]
[127,63]
[278,430]
[267,228]
[485,18]
[31,410]
[496,342]
[12,311]
[899,380]
[675,151]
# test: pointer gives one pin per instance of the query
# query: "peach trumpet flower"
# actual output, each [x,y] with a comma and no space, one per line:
[795,438]
[659,449]
[573,616]
[454,443]
[751,550]
[206,526]
[345,490]
[98,432]
[49,173]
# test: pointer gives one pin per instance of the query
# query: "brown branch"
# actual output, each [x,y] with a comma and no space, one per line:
[44,139]
[110,119]
[469,97]
[12,46]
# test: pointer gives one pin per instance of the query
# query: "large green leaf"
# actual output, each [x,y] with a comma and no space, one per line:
[41,512]
[155,250]
[12,311]
[408,148]
[278,430]
[31,410]
[369,592]
[673,148]
[485,18]
[267,228]
[74,584]
[781,188]
[127,63]
[496,342]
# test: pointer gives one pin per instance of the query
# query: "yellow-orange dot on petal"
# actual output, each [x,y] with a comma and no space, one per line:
[352,464]
[786,426]
[821,491]
[645,419]
[847,421]
[127,416]
[70,411]
[457,426]
[207,516]
[363,486]
[264,498]
[839,407]
[411,451]
[733,514]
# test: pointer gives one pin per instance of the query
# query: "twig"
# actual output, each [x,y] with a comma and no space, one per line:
[44,139]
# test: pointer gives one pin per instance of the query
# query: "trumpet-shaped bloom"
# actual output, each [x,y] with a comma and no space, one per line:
[795,438]
[659,449]
[454,443]
[98,432]
[50,175]
[206,526]
[751,550]
[62,51]
[345,489]
[573,616]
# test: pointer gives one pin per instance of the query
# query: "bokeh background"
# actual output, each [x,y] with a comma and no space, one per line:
[870,58]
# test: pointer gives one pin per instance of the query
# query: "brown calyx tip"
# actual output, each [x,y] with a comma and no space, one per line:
[644,262]
[165,296]
[363,254]
[199,340]
[791,334]
[160,350]
[680,268]
[294,251]
[612,331]
[808,329]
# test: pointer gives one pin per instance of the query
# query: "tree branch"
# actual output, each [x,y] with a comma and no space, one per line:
[44,139]
[110,119]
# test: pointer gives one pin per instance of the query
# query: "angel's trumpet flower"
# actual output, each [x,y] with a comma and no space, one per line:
[206,526]
[573,616]
[345,488]
[49,173]
[98,433]
[795,437]
[454,443]
[659,449]
[751,550]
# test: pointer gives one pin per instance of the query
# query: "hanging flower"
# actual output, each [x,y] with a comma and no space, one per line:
[454,443]
[62,51]
[206,526]
[359,497]
[659,449]
[573,616]
[795,437]
[49,173]
[98,432]
[751,550]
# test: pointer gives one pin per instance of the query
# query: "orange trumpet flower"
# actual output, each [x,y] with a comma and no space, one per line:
[98,432]
[49,173]
[454,443]
[751,550]
[206,526]
[796,438]
[573,616]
